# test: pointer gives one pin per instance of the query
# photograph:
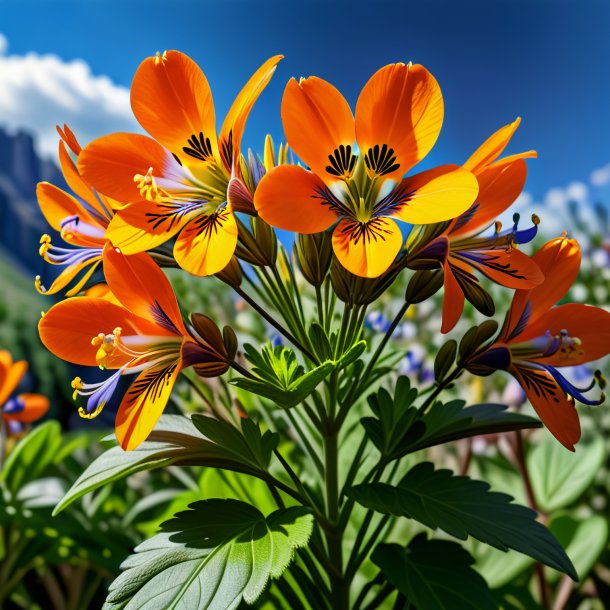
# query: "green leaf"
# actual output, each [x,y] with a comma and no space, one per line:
[461,507]
[248,445]
[214,555]
[434,575]
[453,421]
[32,456]
[351,355]
[584,540]
[175,440]
[558,476]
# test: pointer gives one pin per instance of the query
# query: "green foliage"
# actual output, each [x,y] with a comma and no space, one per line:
[558,476]
[434,575]
[461,507]
[175,440]
[187,565]
[399,428]
[280,377]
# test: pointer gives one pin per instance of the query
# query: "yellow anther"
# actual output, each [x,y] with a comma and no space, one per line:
[77,384]
[98,340]
[147,185]
[106,345]
[160,59]
[117,332]
[39,287]
[45,244]
[86,415]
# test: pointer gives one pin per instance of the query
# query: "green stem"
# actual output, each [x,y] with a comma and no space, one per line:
[439,388]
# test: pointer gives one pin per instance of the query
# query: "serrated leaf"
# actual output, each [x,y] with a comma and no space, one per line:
[558,476]
[214,555]
[434,575]
[175,440]
[248,445]
[293,394]
[463,507]
[31,456]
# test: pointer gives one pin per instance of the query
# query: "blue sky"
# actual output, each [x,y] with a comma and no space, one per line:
[547,61]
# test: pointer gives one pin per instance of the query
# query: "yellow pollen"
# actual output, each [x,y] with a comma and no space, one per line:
[77,384]
[106,345]
[45,244]
[147,185]
[85,415]
[160,59]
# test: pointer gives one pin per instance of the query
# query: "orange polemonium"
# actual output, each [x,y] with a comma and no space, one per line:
[463,251]
[537,338]
[179,183]
[357,166]
[17,409]
[82,221]
[142,333]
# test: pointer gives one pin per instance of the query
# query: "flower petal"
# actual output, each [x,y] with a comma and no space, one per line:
[589,324]
[550,402]
[67,328]
[511,268]
[144,225]
[141,287]
[367,249]
[10,375]
[229,140]
[144,403]
[35,406]
[453,300]
[436,195]
[559,261]
[492,148]
[110,163]
[401,106]
[172,100]
[317,121]
[291,198]
[499,186]
[206,245]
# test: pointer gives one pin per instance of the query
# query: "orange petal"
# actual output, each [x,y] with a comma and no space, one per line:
[589,324]
[206,245]
[140,286]
[559,261]
[57,205]
[144,225]
[401,106]
[510,268]
[499,186]
[437,194]
[10,376]
[492,148]
[551,404]
[453,300]
[291,198]
[67,328]
[229,140]
[317,120]
[367,249]
[143,404]
[110,163]
[35,406]
[172,100]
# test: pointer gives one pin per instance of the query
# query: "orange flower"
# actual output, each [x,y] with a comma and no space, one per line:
[82,222]
[463,252]
[180,183]
[140,333]
[357,165]
[17,409]
[537,338]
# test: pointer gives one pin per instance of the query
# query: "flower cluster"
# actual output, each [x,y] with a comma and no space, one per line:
[181,197]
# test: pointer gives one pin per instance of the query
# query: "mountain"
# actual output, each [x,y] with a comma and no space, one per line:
[21,222]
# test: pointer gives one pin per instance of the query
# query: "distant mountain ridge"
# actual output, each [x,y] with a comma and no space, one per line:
[21,222]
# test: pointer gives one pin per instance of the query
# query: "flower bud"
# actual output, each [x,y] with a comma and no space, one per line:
[257,245]
[231,274]
[423,284]
[210,353]
[313,254]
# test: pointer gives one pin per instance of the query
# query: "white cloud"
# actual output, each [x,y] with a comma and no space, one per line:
[39,91]
[600,176]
